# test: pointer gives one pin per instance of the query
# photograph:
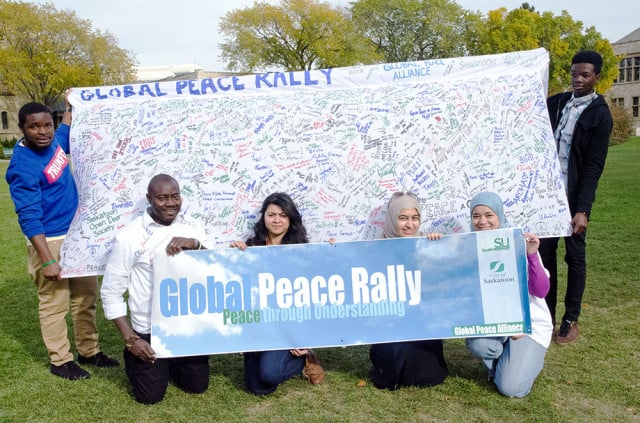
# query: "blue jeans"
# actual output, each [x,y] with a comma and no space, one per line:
[513,363]
[265,370]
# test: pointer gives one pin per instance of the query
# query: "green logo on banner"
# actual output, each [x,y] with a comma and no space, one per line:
[497,266]
[499,244]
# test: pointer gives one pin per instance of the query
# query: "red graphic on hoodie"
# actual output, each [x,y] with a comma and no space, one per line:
[56,166]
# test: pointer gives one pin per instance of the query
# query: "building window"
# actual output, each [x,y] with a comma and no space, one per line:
[629,69]
[634,106]
[5,120]
[618,101]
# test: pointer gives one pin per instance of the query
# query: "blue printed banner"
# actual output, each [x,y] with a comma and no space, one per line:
[351,293]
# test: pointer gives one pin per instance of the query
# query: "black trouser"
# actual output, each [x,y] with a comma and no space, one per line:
[150,380]
[576,260]
[411,363]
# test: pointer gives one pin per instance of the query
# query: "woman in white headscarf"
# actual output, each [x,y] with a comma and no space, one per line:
[411,363]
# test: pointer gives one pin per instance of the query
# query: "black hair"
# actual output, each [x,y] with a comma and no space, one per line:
[31,109]
[297,233]
[589,56]
[161,177]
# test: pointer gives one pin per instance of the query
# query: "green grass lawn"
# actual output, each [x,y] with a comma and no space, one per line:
[595,379]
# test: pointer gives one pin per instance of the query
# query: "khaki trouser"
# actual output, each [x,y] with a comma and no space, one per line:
[54,299]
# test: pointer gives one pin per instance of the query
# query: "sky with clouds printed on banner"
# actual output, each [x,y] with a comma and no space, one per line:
[162,32]
[448,295]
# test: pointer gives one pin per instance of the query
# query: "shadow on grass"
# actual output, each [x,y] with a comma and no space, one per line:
[229,367]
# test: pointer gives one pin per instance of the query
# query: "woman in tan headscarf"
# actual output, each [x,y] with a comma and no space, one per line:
[411,363]
[403,216]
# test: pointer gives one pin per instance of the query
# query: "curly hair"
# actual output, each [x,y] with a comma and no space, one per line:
[297,233]
[589,56]
[30,109]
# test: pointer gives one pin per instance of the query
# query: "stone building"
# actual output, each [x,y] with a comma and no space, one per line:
[9,106]
[625,91]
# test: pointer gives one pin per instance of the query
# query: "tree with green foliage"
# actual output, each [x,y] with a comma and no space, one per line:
[44,51]
[295,35]
[406,30]
[524,28]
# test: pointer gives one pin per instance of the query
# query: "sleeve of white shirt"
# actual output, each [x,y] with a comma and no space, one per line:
[116,279]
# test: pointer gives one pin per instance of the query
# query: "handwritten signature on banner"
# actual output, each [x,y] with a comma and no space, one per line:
[339,141]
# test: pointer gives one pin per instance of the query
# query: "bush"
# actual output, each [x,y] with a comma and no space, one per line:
[622,128]
[6,143]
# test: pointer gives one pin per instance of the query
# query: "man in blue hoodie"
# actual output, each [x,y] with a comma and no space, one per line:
[45,198]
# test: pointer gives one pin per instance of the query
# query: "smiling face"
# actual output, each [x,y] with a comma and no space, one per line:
[37,130]
[583,79]
[484,218]
[276,221]
[408,222]
[165,201]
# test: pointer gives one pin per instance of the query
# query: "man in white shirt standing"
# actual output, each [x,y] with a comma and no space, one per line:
[130,269]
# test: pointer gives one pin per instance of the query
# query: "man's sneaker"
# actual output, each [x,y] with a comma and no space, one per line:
[568,332]
[69,370]
[100,360]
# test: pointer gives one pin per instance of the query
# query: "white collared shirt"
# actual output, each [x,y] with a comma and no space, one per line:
[130,266]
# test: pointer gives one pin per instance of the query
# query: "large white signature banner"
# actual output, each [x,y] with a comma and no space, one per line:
[339,141]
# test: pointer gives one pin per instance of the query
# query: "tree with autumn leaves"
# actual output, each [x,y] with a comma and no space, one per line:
[311,34]
[43,51]
[296,35]
[503,31]
[406,30]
